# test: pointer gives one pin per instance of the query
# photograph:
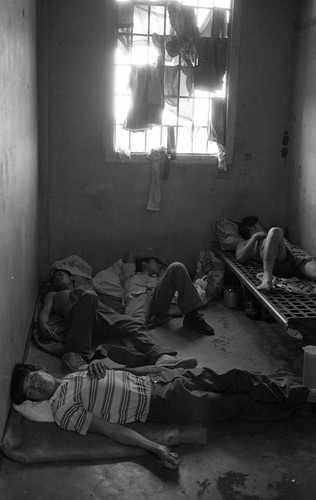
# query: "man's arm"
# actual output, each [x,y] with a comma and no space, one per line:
[133,257]
[45,313]
[129,437]
[244,249]
[98,368]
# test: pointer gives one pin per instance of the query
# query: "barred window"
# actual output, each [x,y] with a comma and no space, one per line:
[172,66]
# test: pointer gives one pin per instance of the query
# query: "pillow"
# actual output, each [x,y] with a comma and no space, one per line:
[226,231]
[108,281]
[38,411]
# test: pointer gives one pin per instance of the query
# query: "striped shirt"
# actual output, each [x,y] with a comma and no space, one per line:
[120,397]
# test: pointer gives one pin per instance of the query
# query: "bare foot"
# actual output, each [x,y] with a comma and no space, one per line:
[265,286]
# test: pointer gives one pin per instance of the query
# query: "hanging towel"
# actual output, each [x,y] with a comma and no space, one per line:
[217,130]
[146,83]
[157,155]
[211,65]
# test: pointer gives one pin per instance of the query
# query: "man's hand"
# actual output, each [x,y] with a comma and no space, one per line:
[260,235]
[167,458]
[47,330]
[97,369]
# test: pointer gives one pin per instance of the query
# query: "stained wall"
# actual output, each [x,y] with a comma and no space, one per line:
[18,186]
[96,208]
[301,206]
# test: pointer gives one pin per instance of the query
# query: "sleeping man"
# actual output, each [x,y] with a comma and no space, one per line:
[101,403]
[87,316]
[148,294]
[269,248]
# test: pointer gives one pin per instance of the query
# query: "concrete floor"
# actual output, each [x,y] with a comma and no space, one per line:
[275,460]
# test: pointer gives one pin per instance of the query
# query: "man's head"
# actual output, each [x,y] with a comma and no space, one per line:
[32,383]
[249,225]
[62,280]
[149,265]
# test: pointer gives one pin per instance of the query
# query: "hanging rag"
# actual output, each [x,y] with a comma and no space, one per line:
[183,21]
[125,14]
[216,131]
[157,155]
[215,24]
[211,63]
[147,103]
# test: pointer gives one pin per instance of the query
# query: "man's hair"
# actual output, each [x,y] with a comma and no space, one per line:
[19,374]
[245,224]
[61,271]
[139,263]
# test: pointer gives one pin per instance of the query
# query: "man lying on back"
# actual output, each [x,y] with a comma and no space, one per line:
[101,402]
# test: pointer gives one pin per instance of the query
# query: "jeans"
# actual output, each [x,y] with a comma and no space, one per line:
[89,316]
[175,279]
[201,395]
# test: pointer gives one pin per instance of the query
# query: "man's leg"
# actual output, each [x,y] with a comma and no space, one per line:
[202,395]
[274,250]
[307,269]
[138,307]
[177,279]
[134,333]
[80,335]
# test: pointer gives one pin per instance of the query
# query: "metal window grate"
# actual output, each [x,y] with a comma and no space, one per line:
[190,112]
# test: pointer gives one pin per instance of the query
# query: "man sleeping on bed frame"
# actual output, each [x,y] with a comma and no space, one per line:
[86,316]
[269,248]
[100,402]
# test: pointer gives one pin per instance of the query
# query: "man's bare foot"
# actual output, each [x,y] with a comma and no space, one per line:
[265,286]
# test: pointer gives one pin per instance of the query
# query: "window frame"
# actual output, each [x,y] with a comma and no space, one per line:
[231,115]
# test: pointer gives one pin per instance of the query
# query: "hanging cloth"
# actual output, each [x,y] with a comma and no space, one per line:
[147,103]
[211,63]
[217,130]
[215,24]
[157,155]
[183,22]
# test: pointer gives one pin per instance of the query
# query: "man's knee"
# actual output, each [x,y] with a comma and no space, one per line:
[276,233]
[88,297]
[177,267]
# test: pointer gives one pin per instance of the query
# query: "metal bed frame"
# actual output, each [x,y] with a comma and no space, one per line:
[292,310]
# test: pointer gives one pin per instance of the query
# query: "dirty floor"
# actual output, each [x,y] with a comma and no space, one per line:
[273,461]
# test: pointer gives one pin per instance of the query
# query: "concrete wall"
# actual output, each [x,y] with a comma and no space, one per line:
[97,209]
[301,214]
[18,185]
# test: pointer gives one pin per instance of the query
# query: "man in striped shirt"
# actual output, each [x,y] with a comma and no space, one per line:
[84,402]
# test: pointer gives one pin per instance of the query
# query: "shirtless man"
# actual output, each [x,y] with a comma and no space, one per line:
[81,309]
[269,248]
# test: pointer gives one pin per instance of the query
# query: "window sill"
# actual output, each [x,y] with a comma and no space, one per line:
[180,159]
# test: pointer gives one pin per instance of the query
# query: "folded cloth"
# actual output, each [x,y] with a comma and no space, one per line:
[296,285]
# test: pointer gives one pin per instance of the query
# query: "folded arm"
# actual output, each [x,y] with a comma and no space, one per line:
[98,368]
[129,437]
[245,249]
[133,257]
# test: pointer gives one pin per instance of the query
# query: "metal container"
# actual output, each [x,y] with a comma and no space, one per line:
[231,296]
[309,366]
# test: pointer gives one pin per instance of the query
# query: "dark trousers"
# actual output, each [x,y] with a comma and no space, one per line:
[201,395]
[175,279]
[89,316]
